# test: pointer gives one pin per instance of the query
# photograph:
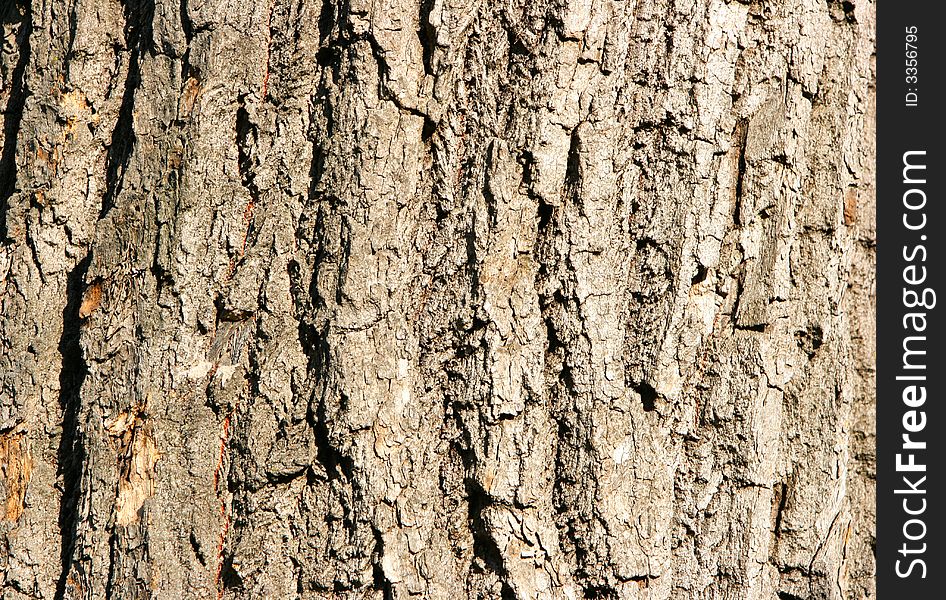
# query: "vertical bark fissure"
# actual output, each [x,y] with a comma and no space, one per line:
[138,24]
[187,25]
[71,453]
[742,130]
[13,111]
[247,162]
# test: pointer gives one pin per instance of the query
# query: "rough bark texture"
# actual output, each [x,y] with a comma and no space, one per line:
[536,299]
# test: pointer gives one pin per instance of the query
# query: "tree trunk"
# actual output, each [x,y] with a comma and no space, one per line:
[540,299]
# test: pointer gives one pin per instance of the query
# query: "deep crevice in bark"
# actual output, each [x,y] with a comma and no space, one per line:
[780,498]
[648,395]
[198,552]
[113,558]
[229,576]
[247,134]
[138,23]
[842,10]
[740,136]
[572,184]
[380,582]
[336,464]
[71,454]
[13,112]
[484,546]
[427,35]
[700,276]
[327,20]
[188,26]
[600,592]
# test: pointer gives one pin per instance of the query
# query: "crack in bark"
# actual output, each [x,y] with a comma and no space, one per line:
[741,135]
[380,582]
[187,25]
[71,453]
[427,35]
[139,15]
[484,546]
[13,112]
[247,136]
[224,513]
[780,498]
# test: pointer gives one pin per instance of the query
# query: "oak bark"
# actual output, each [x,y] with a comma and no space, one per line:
[536,299]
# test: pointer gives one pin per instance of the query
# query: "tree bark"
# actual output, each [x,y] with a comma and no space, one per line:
[541,299]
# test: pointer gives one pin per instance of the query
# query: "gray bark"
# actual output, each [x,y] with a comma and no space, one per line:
[541,299]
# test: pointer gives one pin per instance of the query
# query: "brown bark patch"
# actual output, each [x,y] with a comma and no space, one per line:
[75,108]
[137,455]
[50,158]
[16,466]
[850,206]
[188,97]
[91,299]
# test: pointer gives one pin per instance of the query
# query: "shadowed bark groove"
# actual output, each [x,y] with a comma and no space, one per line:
[18,20]
[137,31]
[71,453]
[437,299]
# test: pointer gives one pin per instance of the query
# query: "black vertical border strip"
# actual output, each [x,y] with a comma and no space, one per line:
[900,129]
